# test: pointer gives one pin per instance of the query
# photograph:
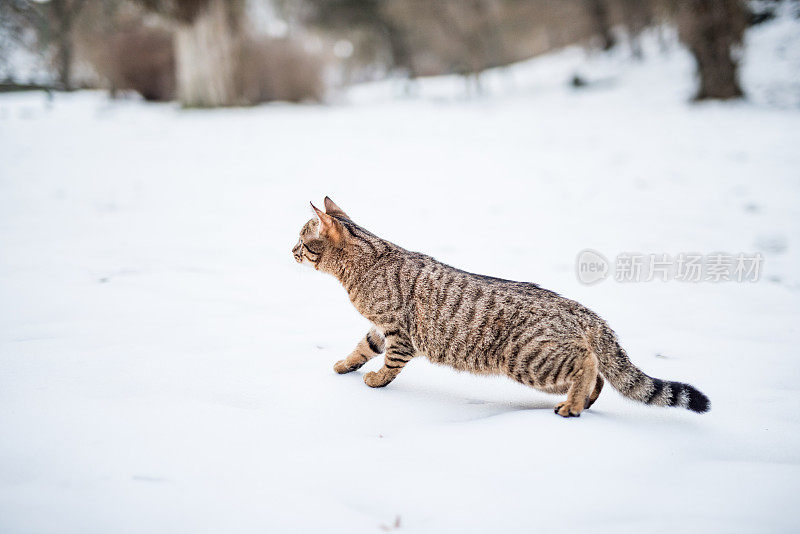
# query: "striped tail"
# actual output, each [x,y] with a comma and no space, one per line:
[633,383]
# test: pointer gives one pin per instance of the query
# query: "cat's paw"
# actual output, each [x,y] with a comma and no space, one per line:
[565,409]
[343,367]
[376,380]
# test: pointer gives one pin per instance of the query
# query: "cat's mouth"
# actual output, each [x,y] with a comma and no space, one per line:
[297,252]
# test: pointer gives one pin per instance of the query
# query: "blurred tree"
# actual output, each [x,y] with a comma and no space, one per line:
[368,16]
[711,29]
[54,21]
[137,57]
[469,36]
[475,28]
[10,36]
[598,13]
[466,37]
[208,41]
[636,16]
[63,14]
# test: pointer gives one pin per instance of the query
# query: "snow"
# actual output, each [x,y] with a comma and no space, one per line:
[166,366]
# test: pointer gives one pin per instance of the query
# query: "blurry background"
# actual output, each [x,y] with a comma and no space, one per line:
[166,366]
[208,53]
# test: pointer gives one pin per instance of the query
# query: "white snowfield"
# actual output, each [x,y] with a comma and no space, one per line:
[166,366]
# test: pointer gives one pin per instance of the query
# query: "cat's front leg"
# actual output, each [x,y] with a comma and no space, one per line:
[370,346]
[399,352]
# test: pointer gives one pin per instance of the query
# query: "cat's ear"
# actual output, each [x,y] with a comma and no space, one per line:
[332,209]
[328,226]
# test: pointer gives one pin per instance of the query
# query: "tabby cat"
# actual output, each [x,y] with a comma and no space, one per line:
[475,323]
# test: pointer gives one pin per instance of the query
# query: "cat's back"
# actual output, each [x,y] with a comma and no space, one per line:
[433,278]
[443,298]
[434,296]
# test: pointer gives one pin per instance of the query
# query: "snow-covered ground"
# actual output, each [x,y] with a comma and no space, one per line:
[166,366]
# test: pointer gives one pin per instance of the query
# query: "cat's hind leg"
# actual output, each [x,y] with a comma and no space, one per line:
[399,352]
[598,387]
[370,346]
[583,380]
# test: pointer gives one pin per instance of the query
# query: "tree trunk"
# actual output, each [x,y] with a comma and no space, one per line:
[636,16]
[64,61]
[207,50]
[598,13]
[710,29]
[64,14]
[399,51]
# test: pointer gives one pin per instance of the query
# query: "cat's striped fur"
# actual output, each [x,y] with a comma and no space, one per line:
[475,323]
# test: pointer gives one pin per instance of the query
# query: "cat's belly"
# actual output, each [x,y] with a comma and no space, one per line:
[473,361]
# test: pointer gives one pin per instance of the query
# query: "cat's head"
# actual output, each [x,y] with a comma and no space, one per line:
[321,236]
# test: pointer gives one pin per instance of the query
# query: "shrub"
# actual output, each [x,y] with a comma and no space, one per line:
[139,58]
[279,69]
